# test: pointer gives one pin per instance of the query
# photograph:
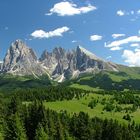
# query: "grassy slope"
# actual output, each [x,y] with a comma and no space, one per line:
[127,76]
[133,72]
[9,83]
[84,87]
[75,106]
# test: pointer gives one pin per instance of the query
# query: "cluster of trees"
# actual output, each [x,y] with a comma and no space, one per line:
[34,122]
[114,103]
[115,92]
[127,98]
[127,117]
[109,107]
[104,81]
[93,103]
[51,93]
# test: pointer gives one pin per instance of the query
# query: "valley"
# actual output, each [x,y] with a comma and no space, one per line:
[69,70]
[66,94]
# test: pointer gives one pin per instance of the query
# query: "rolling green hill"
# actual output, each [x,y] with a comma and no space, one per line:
[128,78]
[77,105]
[10,83]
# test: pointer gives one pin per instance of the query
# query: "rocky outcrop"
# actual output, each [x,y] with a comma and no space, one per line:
[21,60]
[69,64]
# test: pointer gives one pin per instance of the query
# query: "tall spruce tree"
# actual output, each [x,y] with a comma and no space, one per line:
[40,133]
[13,128]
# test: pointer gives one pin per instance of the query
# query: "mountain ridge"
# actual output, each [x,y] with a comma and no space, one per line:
[59,64]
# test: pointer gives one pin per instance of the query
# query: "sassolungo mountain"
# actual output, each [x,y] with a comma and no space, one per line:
[21,65]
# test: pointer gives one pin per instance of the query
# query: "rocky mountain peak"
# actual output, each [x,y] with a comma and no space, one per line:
[62,64]
[45,55]
[20,60]
[58,52]
[19,44]
[82,51]
[58,64]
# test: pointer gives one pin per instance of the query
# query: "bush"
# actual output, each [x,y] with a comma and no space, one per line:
[127,117]
[109,107]
[92,104]
[118,108]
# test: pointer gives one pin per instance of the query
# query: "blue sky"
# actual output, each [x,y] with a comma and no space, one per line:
[110,29]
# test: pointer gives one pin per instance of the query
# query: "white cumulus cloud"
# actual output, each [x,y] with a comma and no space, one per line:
[131,57]
[66,8]
[118,43]
[135,45]
[137,50]
[120,13]
[95,37]
[117,48]
[117,35]
[43,34]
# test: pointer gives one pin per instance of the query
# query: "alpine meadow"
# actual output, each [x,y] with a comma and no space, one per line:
[69,70]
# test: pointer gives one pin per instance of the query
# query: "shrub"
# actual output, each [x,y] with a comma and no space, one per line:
[127,117]
[92,104]
[109,107]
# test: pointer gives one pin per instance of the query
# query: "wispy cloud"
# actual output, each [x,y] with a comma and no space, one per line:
[66,8]
[135,45]
[74,41]
[134,14]
[119,43]
[43,34]
[115,36]
[138,12]
[108,57]
[117,48]
[95,37]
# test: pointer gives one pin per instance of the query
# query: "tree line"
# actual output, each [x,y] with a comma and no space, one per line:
[34,122]
[24,117]
[51,93]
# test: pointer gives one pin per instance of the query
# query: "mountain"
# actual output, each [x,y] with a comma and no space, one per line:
[55,63]
[77,68]
[127,78]
[59,65]
[62,64]
[21,60]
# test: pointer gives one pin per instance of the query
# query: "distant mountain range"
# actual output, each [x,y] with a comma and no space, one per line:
[59,65]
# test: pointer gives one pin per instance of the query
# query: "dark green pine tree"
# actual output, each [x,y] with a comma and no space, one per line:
[13,105]
[67,136]
[34,115]
[40,133]
[51,124]
[60,131]
[13,128]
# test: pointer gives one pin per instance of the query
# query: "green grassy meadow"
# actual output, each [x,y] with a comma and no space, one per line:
[75,106]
